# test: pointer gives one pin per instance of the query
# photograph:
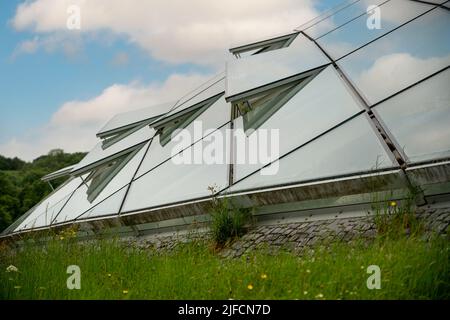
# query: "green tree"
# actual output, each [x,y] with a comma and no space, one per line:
[21,186]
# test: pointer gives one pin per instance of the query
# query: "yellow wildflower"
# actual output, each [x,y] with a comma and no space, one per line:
[250,287]
[125,291]
[264,276]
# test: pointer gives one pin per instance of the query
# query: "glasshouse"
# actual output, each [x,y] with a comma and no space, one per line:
[350,108]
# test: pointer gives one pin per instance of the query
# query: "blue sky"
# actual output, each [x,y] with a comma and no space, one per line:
[35,84]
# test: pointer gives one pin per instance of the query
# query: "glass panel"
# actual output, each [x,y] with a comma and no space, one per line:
[79,202]
[261,69]
[321,104]
[208,93]
[350,148]
[356,33]
[103,175]
[46,217]
[132,117]
[247,53]
[50,203]
[342,16]
[110,140]
[76,205]
[255,42]
[257,109]
[263,46]
[98,155]
[214,117]
[172,182]
[198,91]
[419,118]
[180,123]
[109,206]
[401,58]
[57,174]
[344,5]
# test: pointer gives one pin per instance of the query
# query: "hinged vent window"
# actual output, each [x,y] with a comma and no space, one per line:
[101,176]
[263,46]
[258,106]
[166,127]
[109,140]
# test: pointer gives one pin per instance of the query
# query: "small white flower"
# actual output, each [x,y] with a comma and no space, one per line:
[12,268]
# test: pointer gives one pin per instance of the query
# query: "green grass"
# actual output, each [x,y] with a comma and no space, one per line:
[410,269]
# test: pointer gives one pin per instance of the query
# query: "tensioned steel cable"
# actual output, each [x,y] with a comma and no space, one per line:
[347,22]
[331,14]
[385,34]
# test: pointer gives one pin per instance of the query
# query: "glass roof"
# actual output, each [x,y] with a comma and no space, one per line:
[258,70]
[214,90]
[400,72]
[343,6]
[79,203]
[59,173]
[213,118]
[419,118]
[402,57]
[48,208]
[171,182]
[349,149]
[308,114]
[98,155]
[108,206]
[123,120]
[199,93]
[347,12]
[356,33]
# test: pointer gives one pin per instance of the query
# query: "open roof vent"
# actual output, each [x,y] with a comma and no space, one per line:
[103,174]
[181,119]
[258,105]
[263,46]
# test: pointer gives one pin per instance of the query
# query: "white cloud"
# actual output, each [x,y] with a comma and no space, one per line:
[176,31]
[393,72]
[74,125]
[27,47]
[58,41]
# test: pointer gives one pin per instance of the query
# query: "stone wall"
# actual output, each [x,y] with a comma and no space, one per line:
[297,236]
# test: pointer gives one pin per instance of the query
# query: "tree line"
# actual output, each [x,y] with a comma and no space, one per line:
[21,186]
